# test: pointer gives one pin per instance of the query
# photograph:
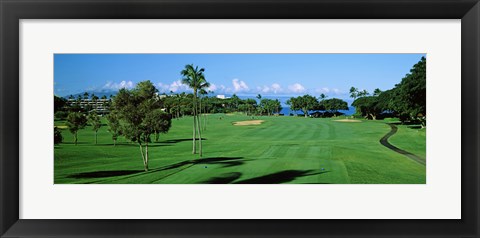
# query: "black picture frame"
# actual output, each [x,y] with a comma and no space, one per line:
[12,11]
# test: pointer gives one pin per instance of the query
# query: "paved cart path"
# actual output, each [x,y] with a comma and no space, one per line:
[384,142]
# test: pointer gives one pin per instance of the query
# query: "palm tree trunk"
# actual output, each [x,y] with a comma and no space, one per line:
[194,134]
[146,157]
[143,157]
[199,114]
[199,136]
[194,121]
[198,128]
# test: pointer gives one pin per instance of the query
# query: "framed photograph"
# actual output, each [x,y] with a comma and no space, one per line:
[239,118]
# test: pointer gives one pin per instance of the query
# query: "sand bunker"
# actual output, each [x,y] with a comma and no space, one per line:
[348,120]
[248,123]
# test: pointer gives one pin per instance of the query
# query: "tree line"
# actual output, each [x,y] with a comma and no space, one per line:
[180,104]
[407,100]
[308,103]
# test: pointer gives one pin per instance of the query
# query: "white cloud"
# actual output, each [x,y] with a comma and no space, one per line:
[239,86]
[326,90]
[263,89]
[175,86]
[115,86]
[296,88]
[274,88]
[163,87]
[212,87]
[322,90]
[178,86]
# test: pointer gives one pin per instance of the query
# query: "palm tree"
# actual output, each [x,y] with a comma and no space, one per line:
[94,100]
[259,97]
[363,93]
[203,92]
[354,93]
[195,79]
[323,96]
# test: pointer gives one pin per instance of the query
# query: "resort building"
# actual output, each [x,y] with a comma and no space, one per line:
[100,106]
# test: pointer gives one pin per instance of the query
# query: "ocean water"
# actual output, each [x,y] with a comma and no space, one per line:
[286,111]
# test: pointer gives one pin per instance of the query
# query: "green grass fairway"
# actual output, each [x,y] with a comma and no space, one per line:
[280,150]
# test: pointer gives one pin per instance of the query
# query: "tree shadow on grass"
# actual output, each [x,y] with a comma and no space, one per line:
[78,143]
[223,179]
[156,144]
[416,127]
[225,161]
[281,177]
[104,174]
[174,141]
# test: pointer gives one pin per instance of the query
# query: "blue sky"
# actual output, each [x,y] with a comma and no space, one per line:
[243,74]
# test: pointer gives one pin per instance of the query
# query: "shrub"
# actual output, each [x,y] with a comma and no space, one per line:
[57,136]
[61,115]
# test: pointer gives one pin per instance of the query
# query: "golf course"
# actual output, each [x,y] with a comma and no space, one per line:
[241,149]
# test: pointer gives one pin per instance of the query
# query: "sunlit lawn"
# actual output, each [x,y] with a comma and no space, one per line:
[280,150]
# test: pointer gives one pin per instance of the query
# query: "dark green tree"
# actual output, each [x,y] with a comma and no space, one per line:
[377,92]
[386,101]
[57,136]
[134,108]
[307,103]
[251,104]
[368,107]
[334,104]
[161,122]
[115,128]
[265,106]
[61,115]
[277,106]
[58,103]
[411,93]
[95,122]
[76,121]
[294,104]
